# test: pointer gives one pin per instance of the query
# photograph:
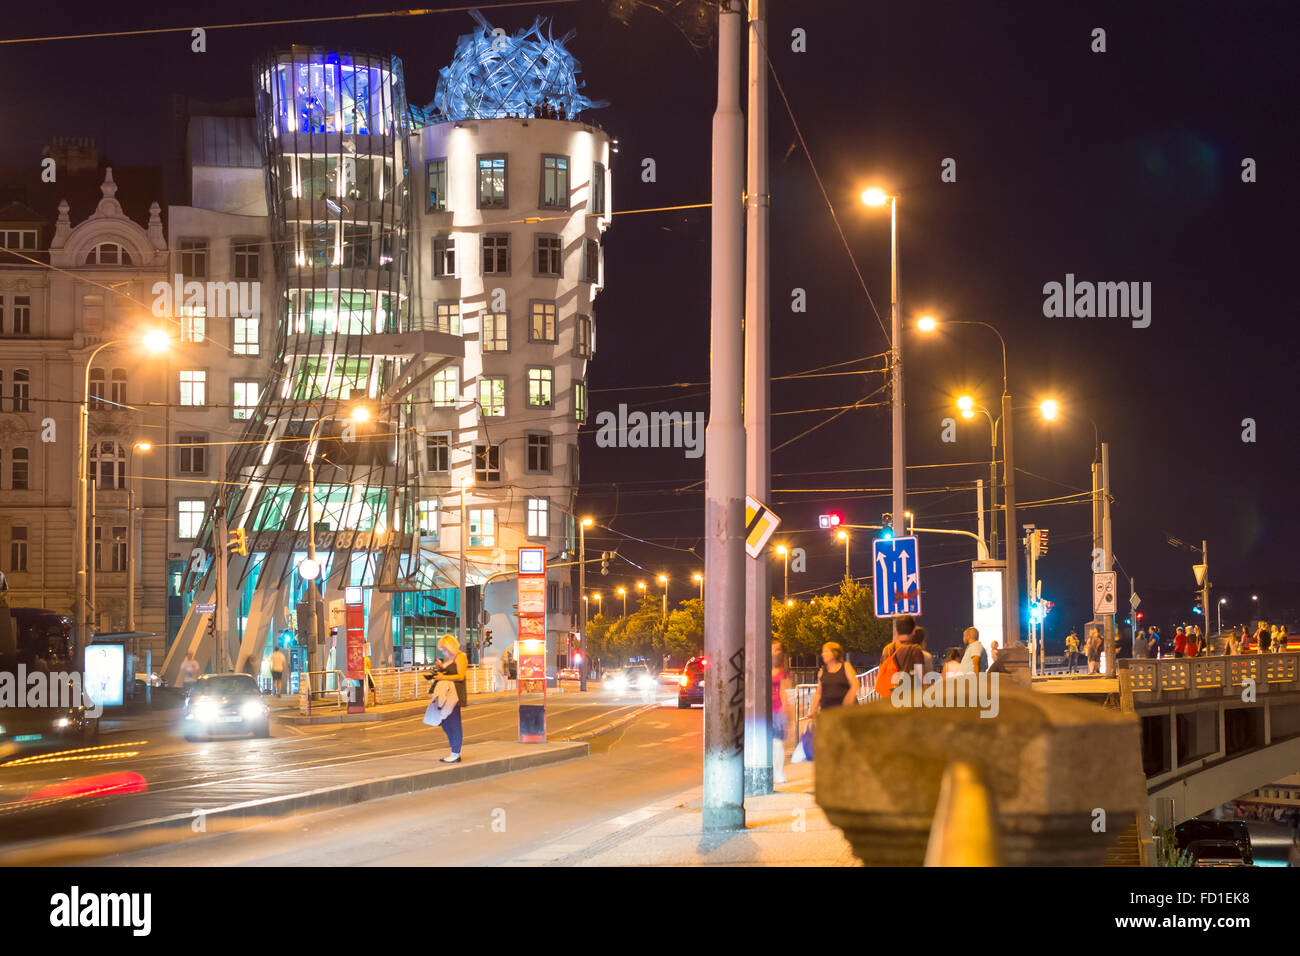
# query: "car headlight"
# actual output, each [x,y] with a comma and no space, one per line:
[204,710]
[253,709]
[62,722]
[647,682]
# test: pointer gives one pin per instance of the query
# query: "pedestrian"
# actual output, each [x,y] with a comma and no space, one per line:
[1094,652]
[918,638]
[781,685]
[1157,642]
[1193,648]
[1140,644]
[1260,642]
[994,650]
[1071,652]
[189,671]
[972,661]
[1230,647]
[952,662]
[1180,642]
[454,667]
[278,664]
[505,669]
[837,684]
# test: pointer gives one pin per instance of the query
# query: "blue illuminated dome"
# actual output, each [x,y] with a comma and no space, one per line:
[495,75]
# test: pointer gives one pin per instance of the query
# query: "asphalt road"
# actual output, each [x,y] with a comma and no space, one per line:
[175,768]
[490,822]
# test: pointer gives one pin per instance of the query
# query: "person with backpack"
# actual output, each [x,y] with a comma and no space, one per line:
[904,627]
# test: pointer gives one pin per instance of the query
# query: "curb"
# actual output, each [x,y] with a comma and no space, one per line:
[294,719]
[605,728]
[251,812]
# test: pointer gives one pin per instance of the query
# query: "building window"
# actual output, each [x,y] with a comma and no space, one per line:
[428,514]
[492,396]
[582,337]
[108,254]
[245,395]
[555,183]
[541,325]
[448,317]
[194,258]
[492,192]
[194,387]
[553,596]
[548,255]
[597,204]
[590,260]
[541,387]
[487,462]
[482,527]
[437,452]
[446,387]
[117,387]
[247,259]
[496,255]
[189,517]
[437,179]
[246,335]
[18,239]
[108,465]
[539,518]
[194,323]
[580,401]
[538,458]
[22,390]
[444,257]
[193,454]
[22,315]
[119,548]
[496,332]
[18,475]
[97,384]
[18,548]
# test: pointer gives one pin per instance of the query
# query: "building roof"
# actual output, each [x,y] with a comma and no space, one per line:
[138,188]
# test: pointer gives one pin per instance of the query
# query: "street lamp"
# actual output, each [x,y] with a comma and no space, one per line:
[583,525]
[1222,601]
[843,535]
[663,579]
[785,554]
[968,408]
[622,592]
[878,197]
[463,534]
[699,579]
[154,341]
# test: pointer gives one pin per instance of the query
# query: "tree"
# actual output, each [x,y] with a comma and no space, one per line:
[847,618]
[685,637]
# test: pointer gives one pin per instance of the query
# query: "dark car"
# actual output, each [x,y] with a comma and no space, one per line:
[39,642]
[1216,853]
[1224,831]
[690,686]
[225,704]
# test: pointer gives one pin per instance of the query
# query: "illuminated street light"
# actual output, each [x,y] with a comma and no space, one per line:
[874,197]
[926,323]
[1050,409]
[843,535]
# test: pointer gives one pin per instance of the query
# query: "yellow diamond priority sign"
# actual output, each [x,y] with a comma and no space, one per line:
[759,525]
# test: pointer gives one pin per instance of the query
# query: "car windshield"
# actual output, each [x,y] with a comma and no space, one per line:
[226,685]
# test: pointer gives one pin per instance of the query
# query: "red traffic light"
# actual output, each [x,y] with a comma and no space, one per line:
[577,657]
[831,520]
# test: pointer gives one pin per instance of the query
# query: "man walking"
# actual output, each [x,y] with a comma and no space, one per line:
[278,664]
[972,661]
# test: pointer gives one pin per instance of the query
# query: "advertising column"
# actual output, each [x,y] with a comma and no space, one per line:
[355,670]
[531,595]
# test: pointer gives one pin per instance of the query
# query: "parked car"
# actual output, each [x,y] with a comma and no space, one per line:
[224,704]
[1225,831]
[570,673]
[690,685]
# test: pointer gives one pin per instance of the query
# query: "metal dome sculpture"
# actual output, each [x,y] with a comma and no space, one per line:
[495,75]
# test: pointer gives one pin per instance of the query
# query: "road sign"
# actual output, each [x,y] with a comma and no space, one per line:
[1103,592]
[759,525]
[1199,571]
[206,608]
[896,576]
[1134,601]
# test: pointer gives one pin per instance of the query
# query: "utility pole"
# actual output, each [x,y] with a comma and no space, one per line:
[1031,569]
[221,613]
[899,490]
[979,508]
[724,460]
[582,589]
[1107,554]
[1011,589]
[464,533]
[758,460]
[94,540]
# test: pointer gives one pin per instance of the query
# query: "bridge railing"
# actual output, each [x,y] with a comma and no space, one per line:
[1213,676]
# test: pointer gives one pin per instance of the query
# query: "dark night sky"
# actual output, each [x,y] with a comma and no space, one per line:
[1122,166]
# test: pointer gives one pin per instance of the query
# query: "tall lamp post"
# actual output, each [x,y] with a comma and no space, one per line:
[622,592]
[699,579]
[877,197]
[154,342]
[131,558]
[844,536]
[583,525]
[784,552]
[1222,601]
[663,579]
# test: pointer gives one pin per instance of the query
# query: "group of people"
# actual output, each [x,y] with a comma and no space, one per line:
[1187,641]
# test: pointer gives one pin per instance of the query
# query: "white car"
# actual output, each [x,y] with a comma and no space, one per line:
[633,680]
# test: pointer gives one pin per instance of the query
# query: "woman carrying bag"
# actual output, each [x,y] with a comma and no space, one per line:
[837,685]
[454,668]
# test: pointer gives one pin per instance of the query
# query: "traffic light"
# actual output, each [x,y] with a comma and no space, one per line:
[886,526]
[487,638]
[1141,614]
[1042,541]
[829,521]
[238,543]
[577,657]
[605,557]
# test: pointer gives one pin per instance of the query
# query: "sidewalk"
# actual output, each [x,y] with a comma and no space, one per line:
[287,709]
[785,828]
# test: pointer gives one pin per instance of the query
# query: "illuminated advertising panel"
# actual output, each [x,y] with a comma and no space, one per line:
[105,673]
[986,606]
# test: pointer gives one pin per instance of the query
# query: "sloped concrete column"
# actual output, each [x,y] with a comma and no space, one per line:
[1065,775]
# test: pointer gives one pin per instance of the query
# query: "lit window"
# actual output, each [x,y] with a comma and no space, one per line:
[246,394]
[487,462]
[541,327]
[246,335]
[582,337]
[492,182]
[555,182]
[446,387]
[189,517]
[437,179]
[548,255]
[194,387]
[448,317]
[541,387]
[492,396]
[539,517]
[580,401]
[428,516]
[194,323]
[482,527]
[496,332]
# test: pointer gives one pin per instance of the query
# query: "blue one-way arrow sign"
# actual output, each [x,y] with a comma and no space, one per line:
[896,576]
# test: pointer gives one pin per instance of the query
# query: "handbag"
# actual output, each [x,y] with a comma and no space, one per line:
[803,751]
[433,714]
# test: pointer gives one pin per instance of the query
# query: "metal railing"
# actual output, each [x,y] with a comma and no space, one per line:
[803,697]
[308,692]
